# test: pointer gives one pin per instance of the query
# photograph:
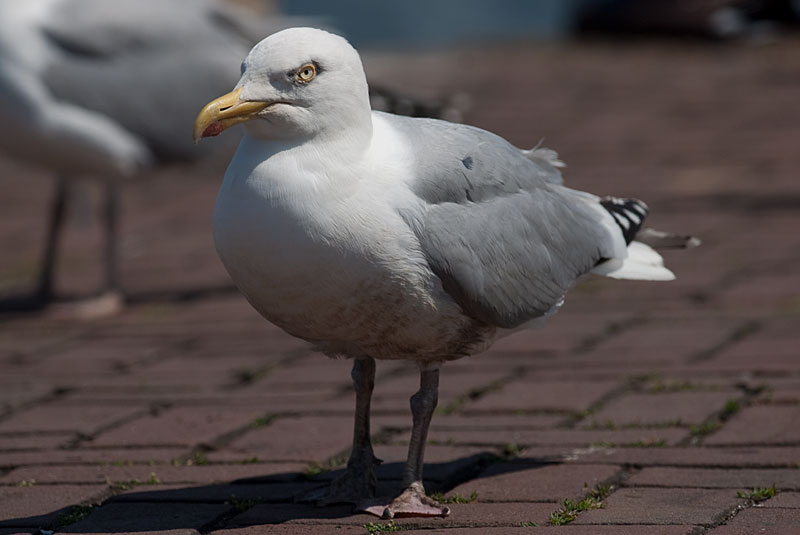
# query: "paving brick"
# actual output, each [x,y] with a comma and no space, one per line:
[40,505]
[442,463]
[462,515]
[16,393]
[663,506]
[516,482]
[453,382]
[789,500]
[259,491]
[181,426]
[569,529]
[164,473]
[761,520]
[311,438]
[29,442]
[762,424]
[686,407]
[495,421]
[293,529]
[717,477]
[90,456]
[554,437]
[529,393]
[776,457]
[154,517]
[54,417]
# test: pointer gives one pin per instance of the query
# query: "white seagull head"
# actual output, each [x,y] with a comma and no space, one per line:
[296,84]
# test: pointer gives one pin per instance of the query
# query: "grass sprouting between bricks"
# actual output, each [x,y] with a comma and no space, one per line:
[570,509]
[374,528]
[758,494]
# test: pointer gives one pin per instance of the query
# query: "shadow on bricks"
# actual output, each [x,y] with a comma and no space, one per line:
[252,501]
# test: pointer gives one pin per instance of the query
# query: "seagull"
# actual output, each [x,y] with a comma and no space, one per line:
[375,236]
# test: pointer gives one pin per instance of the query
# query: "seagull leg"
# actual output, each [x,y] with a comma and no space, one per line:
[110,300]
[413,501]
[358,482]
[44,289]
[111,217]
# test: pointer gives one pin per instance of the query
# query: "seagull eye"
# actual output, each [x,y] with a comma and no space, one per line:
[306,73]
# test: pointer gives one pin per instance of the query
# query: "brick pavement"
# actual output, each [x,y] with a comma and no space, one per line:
[187,413]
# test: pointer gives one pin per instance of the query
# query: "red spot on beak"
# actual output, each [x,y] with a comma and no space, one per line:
[214,129]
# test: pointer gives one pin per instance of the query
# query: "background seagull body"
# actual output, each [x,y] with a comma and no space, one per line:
[83,89]
[376,236]
[104,90]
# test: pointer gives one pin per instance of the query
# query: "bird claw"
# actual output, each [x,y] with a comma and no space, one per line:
[352,487]
[412,502]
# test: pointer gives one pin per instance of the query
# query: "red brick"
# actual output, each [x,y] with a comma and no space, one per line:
[58,417]
[182,426]
[479,422]
[40,505]
[761,520]
[777,457]
[569,529]
[90,456]
[165,473]
[153,517]
[293,529]
[215,493]
[34,441]
[311,438]
[663,506]
[452,382]
[762,424]
[686,407]
[462,515]
[516,482]
[552,437]
[15,393]
[531,394]
[789,500]
[742,478]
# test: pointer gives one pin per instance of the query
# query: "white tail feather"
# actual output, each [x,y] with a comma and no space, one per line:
[642,263]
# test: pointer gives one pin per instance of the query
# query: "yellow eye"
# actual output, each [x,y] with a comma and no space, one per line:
[306,73]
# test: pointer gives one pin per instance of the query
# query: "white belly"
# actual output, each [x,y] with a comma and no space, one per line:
[350,283]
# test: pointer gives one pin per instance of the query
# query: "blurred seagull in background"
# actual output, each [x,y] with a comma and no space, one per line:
[375,236]
[104,90]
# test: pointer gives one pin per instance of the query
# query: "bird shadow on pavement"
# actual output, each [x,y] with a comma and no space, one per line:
[266,500]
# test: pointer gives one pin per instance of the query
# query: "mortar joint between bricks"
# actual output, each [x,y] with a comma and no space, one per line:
[742,331]
[574,419]
[611,330]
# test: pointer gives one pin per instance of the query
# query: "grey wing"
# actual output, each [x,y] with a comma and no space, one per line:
[505,239]
[149,65]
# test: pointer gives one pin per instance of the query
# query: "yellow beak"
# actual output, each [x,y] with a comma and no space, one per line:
[224,112]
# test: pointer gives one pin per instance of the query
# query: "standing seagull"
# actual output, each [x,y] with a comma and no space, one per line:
[375,236]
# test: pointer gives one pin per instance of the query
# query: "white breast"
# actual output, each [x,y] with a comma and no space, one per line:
[327,257]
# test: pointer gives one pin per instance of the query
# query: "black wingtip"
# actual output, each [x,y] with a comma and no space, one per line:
[629,214]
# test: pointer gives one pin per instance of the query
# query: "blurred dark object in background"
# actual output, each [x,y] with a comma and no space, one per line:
[719,19]
[425,23]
